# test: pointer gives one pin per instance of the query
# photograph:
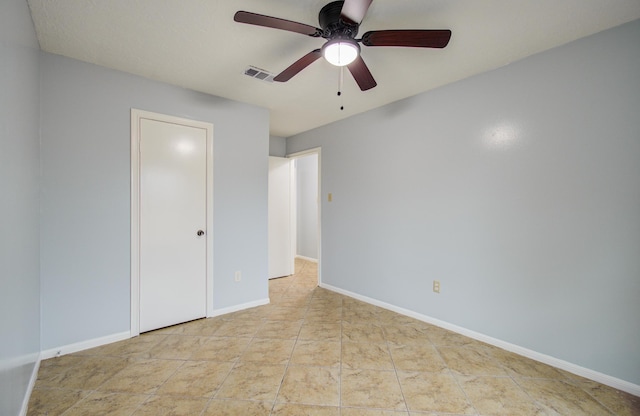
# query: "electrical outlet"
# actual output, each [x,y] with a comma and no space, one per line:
[238,276]
[330,197]
[436,286]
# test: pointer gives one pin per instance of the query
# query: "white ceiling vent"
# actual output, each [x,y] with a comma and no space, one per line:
[258,73]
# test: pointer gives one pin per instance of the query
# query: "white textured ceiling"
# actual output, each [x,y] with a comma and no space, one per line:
[197,45]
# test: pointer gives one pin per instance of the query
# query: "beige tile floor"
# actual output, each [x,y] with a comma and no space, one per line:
[312,352]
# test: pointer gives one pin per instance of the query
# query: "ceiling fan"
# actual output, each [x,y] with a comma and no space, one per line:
[339,23]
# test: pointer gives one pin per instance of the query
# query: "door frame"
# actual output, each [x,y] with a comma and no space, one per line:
[294,196]
[136,117]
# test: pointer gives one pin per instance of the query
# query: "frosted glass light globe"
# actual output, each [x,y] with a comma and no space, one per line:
[340,52]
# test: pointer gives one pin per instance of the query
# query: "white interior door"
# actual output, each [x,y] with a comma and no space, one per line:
[173,223]
[280,245]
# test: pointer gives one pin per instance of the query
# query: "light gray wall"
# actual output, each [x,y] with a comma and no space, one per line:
[307,206]
[277,146]
[19,216]
[518,189]
[86,203]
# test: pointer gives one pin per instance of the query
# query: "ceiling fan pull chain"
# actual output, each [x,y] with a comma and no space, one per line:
[340,83]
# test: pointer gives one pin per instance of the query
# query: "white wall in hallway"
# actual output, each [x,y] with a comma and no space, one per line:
[307,206]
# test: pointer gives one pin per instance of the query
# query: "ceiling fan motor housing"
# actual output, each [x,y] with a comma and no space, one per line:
[333,25]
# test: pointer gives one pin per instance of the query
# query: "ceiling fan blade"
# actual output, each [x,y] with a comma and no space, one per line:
[298,66]
[276,23]
[361,74]
[409,38]
[353,11]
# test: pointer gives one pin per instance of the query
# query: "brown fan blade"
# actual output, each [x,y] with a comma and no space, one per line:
[276,23]
[298,66]
[353,11]
[361,74]
[409,38]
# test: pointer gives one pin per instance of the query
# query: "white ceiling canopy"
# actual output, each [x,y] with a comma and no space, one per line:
[197,45]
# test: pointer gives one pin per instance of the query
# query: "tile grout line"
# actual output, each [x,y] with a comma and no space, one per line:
[395,369]
[455,379]
[213,395]
[286,369]
[235,363]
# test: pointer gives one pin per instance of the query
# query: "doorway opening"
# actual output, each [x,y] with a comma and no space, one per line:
[306,207]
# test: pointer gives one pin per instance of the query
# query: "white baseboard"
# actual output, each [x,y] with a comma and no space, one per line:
[543,358]
[96,342]
[306,258]
[84,345]
[236,308]
[32,383]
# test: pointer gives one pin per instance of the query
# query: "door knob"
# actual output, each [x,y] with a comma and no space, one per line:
[200,233]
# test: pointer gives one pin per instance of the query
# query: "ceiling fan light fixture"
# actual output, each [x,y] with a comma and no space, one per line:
[341,52]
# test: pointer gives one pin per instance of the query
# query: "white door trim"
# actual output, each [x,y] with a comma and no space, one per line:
[318,151]
[136,116]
